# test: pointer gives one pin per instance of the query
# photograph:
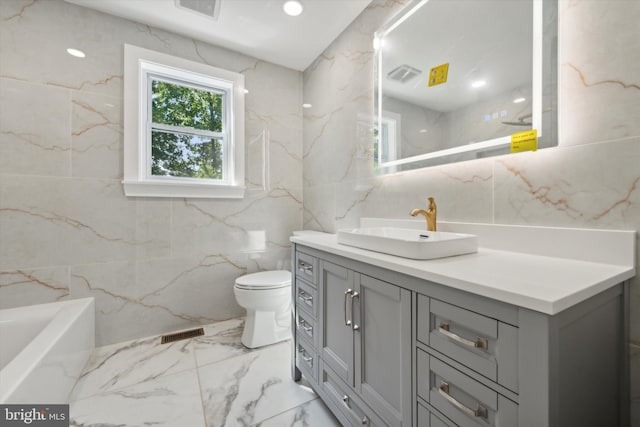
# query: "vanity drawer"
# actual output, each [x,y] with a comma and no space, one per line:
[306,298]
[460,398]
[306,327]
[344,398]
[306,358]
[481,343]
[307,268]
[428,419]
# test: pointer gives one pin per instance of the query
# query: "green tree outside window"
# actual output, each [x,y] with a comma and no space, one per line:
[186,136]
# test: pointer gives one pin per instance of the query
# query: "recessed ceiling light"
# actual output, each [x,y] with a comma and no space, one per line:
[519,100]
[246,91]
[422,131]
[75,52]
[292,7]
[307,105]
[478,83]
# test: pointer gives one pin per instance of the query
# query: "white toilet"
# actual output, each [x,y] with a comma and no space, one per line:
[267,298]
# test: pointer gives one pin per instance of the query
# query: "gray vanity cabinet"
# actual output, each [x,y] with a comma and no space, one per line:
[387,349]
[365,340]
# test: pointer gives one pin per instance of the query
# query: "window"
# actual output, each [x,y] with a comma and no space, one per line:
[184,128]
[386,135]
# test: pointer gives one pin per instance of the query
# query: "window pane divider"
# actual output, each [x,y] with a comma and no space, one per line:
[187,130]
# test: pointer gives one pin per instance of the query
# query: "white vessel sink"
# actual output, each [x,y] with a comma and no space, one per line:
[409,243]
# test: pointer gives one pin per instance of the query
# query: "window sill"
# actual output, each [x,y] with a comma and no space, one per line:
[182,190]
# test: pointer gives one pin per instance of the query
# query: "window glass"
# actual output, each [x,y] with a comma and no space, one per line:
[178,105]
[186,130]
[186,156]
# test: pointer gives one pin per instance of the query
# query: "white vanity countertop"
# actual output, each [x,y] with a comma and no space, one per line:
[537,282]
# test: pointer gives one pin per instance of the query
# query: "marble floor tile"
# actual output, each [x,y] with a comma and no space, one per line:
[219,342]
[168,401]
[310,414]
[250,388]
[208,381]
[120,365]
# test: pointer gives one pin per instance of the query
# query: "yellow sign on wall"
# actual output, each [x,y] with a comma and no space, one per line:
[438,75]
[524,141]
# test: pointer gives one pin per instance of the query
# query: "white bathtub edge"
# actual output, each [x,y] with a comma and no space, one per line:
[57,355]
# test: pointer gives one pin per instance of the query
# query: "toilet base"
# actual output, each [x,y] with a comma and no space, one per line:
[266,327]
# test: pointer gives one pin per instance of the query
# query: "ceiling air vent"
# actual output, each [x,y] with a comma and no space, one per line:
[403,73]
[209,8]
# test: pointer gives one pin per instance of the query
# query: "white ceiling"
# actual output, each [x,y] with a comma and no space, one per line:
[257,28]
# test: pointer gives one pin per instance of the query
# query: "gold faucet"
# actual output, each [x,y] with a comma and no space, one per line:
[429,214]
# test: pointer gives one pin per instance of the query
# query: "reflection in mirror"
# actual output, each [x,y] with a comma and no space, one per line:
[455,79]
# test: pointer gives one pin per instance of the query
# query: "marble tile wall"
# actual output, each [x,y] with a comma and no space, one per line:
[66,228]
[592,179]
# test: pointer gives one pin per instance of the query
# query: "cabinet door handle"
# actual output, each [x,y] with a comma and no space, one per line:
[478,343]
[355,295]
[480,412]
[365,421]
[347,293]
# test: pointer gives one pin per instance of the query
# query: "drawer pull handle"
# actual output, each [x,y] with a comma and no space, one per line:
[347,293]
[345,400]
[306,268]
[478,343]
[303,296]
[306,327]
[480,412]
[303,352]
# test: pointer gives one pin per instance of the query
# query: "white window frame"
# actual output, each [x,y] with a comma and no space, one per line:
[141,65]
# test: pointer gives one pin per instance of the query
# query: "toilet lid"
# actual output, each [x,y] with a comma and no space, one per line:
[264,280]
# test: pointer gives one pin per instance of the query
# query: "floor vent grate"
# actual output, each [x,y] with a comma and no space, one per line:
[182,335]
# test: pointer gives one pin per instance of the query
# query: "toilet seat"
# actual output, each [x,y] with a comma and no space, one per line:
[264,280]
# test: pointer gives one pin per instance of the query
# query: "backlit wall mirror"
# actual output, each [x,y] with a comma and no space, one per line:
[456,79]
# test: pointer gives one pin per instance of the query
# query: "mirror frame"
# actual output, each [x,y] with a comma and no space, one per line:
[544,58]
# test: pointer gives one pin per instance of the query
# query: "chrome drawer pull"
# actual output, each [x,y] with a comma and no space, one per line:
[303,296]
[306,327]
[345,400]
[478,343]
[303,352]
[480,412]
[347,293]
[306,268]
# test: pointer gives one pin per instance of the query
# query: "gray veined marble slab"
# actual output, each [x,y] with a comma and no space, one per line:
[248,389]
[220,341]
[120,365]
[311,414]
[168,401]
